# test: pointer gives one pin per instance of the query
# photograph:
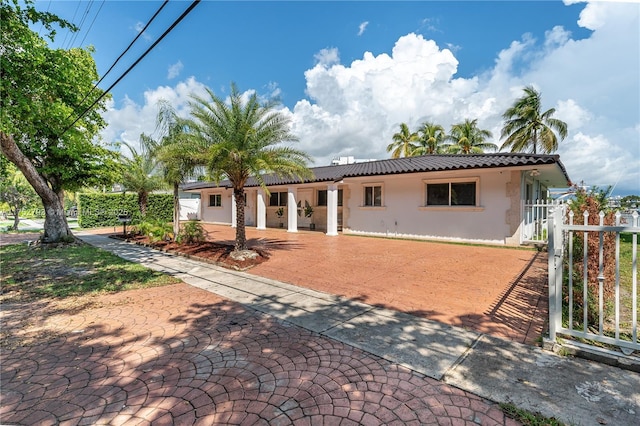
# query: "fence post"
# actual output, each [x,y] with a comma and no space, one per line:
[552,275]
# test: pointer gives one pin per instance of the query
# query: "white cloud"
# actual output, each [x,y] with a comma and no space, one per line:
[127,121]
[362,27]
[138,27]
[354,108]
[174,70]
[327,57]
[573,114]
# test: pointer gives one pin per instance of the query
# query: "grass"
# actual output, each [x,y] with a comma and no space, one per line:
[75,270]
[528,418]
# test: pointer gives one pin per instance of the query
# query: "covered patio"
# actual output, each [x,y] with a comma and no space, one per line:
[495,290]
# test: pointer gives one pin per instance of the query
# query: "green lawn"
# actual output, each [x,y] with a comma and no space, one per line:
[76,270]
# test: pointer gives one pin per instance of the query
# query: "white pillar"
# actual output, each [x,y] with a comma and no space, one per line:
[332,210]
[292,208]
[261,210]
[234,214]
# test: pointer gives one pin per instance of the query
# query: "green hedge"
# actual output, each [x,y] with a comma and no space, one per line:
[97,209]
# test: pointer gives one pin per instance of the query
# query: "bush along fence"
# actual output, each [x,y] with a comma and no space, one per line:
[96,209]
[593,278]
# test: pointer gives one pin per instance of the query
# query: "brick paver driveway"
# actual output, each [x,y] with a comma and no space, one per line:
[180,355]
[494,290]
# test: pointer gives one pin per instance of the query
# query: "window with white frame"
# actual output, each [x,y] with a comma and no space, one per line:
[373,195]
[462,192]
[215,200]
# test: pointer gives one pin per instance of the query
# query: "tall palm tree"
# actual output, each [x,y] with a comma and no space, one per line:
[140,174]
[403,142]
[176,153]
[527,128]
[242,140]
[431,139]
[467,138]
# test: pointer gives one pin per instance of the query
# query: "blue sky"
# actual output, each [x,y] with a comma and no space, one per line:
[349,73]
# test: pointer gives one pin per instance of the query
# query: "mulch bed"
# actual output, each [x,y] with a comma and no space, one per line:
[208,251]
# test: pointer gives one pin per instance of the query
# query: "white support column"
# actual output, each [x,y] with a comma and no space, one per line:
[234,215]
[261,210]
[332,210]
[292,207]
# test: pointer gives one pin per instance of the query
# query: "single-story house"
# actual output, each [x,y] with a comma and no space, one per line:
[471,198]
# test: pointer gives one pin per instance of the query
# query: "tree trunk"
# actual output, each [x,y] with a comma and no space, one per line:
[142,203]
[55,222]
[16,219]
[241,237]
[176,210]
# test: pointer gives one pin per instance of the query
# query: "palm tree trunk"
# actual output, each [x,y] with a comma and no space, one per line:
[142,203]
[176,210]
[241,237]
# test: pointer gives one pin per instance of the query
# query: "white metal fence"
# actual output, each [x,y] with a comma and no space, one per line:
[535,214]
[576,311]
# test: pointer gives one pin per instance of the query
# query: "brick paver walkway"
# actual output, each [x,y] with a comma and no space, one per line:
[178,355]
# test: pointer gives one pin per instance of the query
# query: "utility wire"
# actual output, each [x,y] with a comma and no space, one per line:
[120,57]
[72,21]
[175,23]
[92,22]
[84,17]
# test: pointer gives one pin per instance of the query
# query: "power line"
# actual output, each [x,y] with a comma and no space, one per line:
[84,17]
[92,22]
[175,23]
[121,55]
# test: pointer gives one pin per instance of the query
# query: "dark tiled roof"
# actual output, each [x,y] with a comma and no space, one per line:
[425,163]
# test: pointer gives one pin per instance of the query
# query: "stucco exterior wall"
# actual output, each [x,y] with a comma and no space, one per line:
[404,214]
[221,214]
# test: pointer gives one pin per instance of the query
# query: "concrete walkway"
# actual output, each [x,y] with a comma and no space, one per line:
[575,391]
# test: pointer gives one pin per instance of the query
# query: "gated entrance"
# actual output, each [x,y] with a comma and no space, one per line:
[583,310]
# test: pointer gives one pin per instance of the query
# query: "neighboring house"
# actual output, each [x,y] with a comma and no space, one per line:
[473,198]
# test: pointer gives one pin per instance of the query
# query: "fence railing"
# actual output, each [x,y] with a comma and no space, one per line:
[604,309]
[535,214]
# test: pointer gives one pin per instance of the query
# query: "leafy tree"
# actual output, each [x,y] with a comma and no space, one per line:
[431,140]
[41,93]
[403,143]
[140,173]
[526,127]
[17,193]
[242,139]
[467,138]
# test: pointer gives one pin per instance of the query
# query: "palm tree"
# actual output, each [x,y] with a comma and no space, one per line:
[431,139]
[242,140]
[140,174]
[467,138]
[402,145]
[526,127]
[175,152]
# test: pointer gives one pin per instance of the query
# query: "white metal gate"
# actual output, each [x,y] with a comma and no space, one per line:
[610,329]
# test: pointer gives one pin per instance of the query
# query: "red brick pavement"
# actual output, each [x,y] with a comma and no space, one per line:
[493,290]
[178,355]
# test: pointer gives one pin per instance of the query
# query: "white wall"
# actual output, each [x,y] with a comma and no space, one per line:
[189,208]
[404,213]
[216,214]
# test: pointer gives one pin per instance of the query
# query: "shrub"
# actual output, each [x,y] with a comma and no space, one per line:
[191,232]
[99,209]
[154,228]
